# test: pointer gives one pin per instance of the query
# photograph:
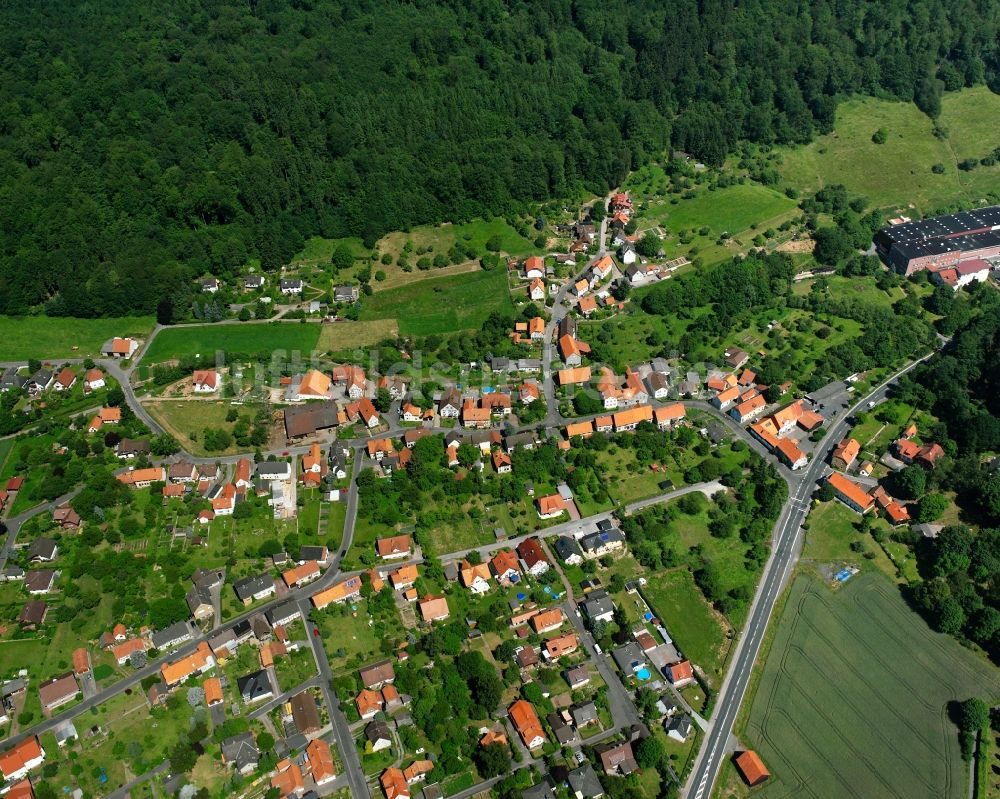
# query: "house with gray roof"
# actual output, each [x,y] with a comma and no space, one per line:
[175,634]
[584,784]
[241,752]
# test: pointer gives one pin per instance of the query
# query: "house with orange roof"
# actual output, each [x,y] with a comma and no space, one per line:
[587,305]
[417,771]
[525,720]
[536,290]
[582,429]
[81,661]
[198,662]
[845,453]
[630,419]
[392,547]
[16,762]
[433,608]
[21,790]
[93,380]
[581,287]
[225,502]
[907,450]
[313,460]
[474,416]
[601,269]
[669,416]
[119,347]
[534,267]
[143,478]
[528,393]
[111,415]
[301,575]
[368,703]
[502,462]
[452,455]
[288,780]
[205,381]
[561,645]
[404,576]
[341,592]
[604,424]
[725,398]
[320,761]
[314,385]
[409,412]
[65,379]
[376,580]
[533,556]
[547,620]
[850,493]
[751,767]
[213,691]
[929,455]
[569,350]
[789,453]
[243,469]
[746,411]
[550,506]
[95,424]
[810,420]
[536,328]
[394,784]
[475,577]
[505,566]
[574,376]
[378,448]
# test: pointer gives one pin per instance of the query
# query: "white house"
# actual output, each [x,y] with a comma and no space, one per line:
[205,381]
[291,286]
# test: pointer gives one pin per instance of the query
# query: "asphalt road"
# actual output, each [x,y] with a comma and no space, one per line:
[786,547]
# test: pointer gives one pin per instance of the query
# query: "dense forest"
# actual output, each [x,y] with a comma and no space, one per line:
[142,145]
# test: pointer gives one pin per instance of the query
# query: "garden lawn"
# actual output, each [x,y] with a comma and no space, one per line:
[351,636]
[696,628]
[239,338]
[51,337]
[184,417]
[852,700]
[442,305]
[295,668]
[441,238]
[830,529]
[346,336]
[729,210]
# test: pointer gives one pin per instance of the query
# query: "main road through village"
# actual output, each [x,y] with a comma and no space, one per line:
[719,742]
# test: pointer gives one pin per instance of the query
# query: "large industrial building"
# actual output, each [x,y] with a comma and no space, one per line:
[941,242]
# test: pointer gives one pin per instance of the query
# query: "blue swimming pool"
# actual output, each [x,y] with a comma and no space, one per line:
[643,674]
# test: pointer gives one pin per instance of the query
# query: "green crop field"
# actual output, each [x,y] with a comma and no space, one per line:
[854,697]
[441,305]
[56,337]
[898,173]
[175,342]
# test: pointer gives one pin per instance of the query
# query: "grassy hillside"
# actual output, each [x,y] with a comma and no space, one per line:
[854,698]
[898,173]
[175,342]
[441,305]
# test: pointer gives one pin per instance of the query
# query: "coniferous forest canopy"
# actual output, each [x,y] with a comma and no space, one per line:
[144,144]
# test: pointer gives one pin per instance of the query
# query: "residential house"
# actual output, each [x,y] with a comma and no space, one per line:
[534,267]
[394,784]
[573,377]
[253,282]
[240,751]
[65,379]
[536,290]
[291,287]
[205,381]
[39,581]
[42,550]
[561,645]
[377,674]
[533,556]
[525,720]
[143,478]
[502,462]
[33,614]
[394,547]
[213,692]
[630,419]
[301,575]
[433,608]
[577,677]
[209,285]
[253,589]
[679,728]
[584,784]
[314,385]
[850,493]
[669,416]
[378,734]
[679,673]
[404,577]
[475,577]
[93,379]
[598,606]
[617,759]
[584,714]
[505,566]
[368,703]
[568,551]
[789,453]
[550,506]
[17,761]
[39,381]
[58,691]
[129,449]
[749,409]
[547,621]
[198,662]
[602,542]
[320,758]
[199,602]
[845,453]
[254,687]
[346,293]
[305,713]
[343,591]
